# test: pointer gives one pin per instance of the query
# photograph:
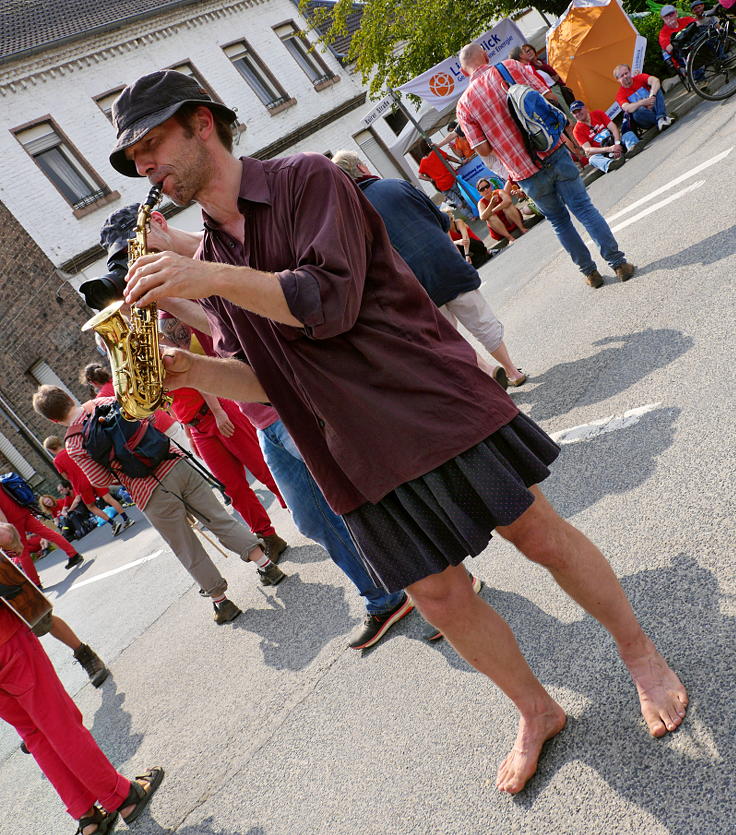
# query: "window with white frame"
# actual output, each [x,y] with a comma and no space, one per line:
[254,71]
[105,101]
[59,161]
[187,68]
[45,375]
[303,52]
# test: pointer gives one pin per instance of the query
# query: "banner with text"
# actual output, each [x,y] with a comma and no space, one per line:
[444,83]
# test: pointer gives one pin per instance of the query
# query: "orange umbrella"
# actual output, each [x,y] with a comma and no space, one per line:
[590,39]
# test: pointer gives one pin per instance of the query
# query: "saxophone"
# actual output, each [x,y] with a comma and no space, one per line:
[133,346]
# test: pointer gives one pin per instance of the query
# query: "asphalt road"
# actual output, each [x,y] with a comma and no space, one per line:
[272,727]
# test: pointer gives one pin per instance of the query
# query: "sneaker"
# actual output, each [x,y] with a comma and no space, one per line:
[77,559]
[271,575]
[24,748]
[663,123]
[625,271]
[595,279]
[127,523]
[615,164]
[433,634]
[117,526]
[92,663]
[635,149]
[226,611]
[273,547]
[376,626]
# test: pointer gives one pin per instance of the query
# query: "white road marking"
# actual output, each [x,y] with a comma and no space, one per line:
[612,423]
[114,571]
[672,183]
[676,196]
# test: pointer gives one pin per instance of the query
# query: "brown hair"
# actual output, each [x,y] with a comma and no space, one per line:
[95,373]
[52,443]
[224,127]
[52,402]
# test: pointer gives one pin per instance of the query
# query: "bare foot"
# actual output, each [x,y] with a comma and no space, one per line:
[510,240]
[523,230]
[521,763]
[662,696]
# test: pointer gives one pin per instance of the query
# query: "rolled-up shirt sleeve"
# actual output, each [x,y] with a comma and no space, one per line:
[330,240]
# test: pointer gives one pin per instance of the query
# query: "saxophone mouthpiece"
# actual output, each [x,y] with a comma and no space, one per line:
[154,195]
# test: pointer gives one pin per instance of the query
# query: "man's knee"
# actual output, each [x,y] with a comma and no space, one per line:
[441,597]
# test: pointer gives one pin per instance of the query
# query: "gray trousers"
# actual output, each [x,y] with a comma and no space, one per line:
[168,514]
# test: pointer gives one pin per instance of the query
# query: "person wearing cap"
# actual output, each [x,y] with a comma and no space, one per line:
[697,7]
[671,24]
[600,138]
[641,96]
[421,453]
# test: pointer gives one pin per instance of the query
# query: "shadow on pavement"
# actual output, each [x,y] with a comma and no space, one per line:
[683,777]
[708,251]
[616,462]
[147,826]
[112,725]
[576,383]
[71,577]
[302,554]
[292,630]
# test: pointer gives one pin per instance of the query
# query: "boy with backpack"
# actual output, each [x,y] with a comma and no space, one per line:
[81,485]
[166,488]
[505,111]
[18,508]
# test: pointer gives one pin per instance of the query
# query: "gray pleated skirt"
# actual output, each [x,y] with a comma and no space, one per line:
[448,514]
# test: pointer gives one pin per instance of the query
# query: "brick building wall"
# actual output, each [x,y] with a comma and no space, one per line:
[41,320]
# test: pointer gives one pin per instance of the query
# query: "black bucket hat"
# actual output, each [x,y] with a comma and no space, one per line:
[147,103]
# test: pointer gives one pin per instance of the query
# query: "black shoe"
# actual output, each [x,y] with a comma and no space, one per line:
[501,377]
[105,821]
[616,164]
[226,611]
[92,663]
[24,748]
[77,559]
[271,575]
[376,626]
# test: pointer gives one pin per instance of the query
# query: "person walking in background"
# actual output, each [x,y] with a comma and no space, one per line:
[440,174]
[554,184]
[418,232]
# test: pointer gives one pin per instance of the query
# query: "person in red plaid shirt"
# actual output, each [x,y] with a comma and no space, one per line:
[556,186]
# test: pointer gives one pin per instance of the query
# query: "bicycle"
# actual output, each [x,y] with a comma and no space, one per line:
[710,66]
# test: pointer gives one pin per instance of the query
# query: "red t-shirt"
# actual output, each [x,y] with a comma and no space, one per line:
[636,91]
[106,390]
[433,167]
[586,134]
[666,32]
[186,403]
[72,472]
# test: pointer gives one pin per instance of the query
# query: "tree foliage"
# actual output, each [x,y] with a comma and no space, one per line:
[399,39]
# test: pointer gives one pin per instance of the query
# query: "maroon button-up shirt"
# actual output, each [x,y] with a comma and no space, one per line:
[377,388]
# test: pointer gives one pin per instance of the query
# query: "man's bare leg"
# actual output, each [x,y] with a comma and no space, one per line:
[483,638]
[584,573]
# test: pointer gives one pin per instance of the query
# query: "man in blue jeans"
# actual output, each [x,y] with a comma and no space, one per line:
[555,185]
[642,98]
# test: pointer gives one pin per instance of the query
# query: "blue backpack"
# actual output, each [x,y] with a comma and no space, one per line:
[19,490]
[135,448]
[541,124]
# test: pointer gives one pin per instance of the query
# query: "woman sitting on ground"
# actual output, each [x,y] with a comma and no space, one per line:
[497,209]
[468,244]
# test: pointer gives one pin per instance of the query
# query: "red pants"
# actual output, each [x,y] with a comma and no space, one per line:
[34,702]
[25,523]
[227,458]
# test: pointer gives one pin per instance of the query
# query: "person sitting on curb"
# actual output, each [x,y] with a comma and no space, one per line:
[468,244]
[85,493]
[601,140]
[33,700]
[641,96]
[497,209]
[672,24]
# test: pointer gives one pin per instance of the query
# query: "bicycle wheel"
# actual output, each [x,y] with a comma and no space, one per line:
[711,67]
